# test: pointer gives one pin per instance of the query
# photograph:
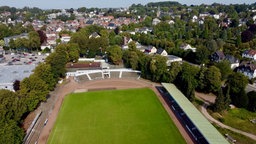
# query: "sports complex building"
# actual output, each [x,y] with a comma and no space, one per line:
[198,127]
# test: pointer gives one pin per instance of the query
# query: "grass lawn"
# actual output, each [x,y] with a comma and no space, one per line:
[240,139]
[238,118]
[133,116]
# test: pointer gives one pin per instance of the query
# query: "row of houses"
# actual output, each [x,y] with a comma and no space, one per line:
[248,68]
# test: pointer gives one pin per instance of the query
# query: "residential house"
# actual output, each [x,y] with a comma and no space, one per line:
[7,39]
[216,16]
[111,26]
[171,22]
[203,15]
[217,56]
[45,45]
[161,52]
[234,62]
[254,18]
[126,42]
[65,38]
[172,58]
[249,54]
[194,18]
[89,22]
[248,69]
[188,47]
[155,21]
[144,30]
[150,50]
[94,35]
[51,40]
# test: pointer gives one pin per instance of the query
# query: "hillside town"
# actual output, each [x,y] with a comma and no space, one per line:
[200,48]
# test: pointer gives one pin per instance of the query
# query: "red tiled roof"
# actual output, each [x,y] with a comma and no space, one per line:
[84,65]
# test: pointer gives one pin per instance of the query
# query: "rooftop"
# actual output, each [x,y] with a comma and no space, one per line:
[8,74]
[203,125]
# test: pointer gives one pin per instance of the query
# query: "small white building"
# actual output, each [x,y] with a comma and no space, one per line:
[186,47]
[65,38]
[161,52]
[172,58]
[156,21]
[254,18]
[43,46]
[194,18]
[150,50]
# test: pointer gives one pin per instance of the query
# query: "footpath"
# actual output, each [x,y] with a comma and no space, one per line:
[204,111]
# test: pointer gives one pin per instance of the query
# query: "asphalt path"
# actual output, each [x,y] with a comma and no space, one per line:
[204,111]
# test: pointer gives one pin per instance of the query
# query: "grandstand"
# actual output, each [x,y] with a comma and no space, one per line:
[199,128]
[130,75]
[85,75]
[114,74]
[97,75]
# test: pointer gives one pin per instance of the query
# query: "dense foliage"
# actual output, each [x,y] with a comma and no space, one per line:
[14,106]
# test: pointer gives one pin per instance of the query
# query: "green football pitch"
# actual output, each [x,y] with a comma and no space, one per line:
[133,116]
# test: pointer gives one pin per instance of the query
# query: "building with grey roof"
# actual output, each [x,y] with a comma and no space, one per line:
[10,73]
[8,39]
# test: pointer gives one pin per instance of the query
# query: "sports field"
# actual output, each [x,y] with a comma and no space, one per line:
[133,116]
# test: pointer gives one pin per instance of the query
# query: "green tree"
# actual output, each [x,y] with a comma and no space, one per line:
[227,100]
[132,46]
[5,31]
[252,101]
[10,133]
[1,42]
[237,83]
[73,52]
[186,80]
[44,72]
[12,44]
[174,70]
[115,54]
[201,79]
[34,40]
[225,69]
[212,46]
[34,90]
[148,21]
[11,106]
[57,61]
[133,60]
[213,79]
[202,55]
[158,67]
[220,102]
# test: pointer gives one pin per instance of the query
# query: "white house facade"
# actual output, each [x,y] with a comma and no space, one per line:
[249,54]
[248,69]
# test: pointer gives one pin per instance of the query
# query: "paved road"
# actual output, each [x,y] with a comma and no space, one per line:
[211,119]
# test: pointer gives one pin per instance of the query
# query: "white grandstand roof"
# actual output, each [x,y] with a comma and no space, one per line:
[203,125]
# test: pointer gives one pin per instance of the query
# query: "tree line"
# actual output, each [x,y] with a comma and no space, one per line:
[218,78]
[15,106]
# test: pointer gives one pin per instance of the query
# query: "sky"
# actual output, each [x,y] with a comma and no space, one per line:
[65,4]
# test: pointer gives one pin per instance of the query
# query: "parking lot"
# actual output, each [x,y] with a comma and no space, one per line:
[23,59]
